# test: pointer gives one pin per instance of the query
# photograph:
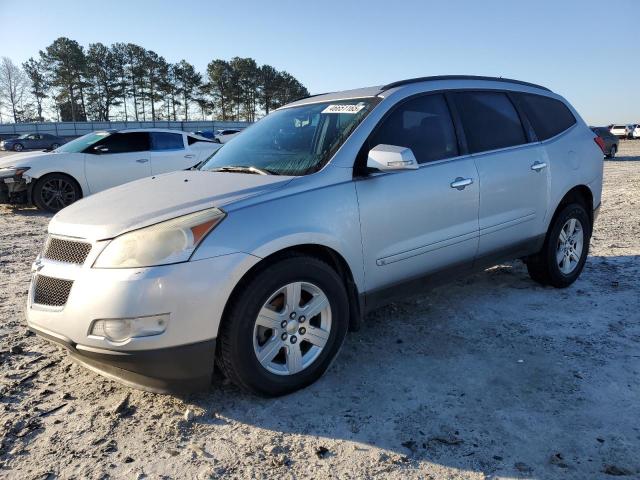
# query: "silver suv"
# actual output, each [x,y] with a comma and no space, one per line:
[265,255]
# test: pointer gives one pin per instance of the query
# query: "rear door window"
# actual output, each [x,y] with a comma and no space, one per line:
[422,124]
[548,116]
[490,121]
[166,141]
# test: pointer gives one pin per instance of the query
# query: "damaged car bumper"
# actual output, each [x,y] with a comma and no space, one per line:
[15,186]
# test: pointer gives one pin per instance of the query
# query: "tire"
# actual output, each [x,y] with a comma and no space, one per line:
[54,146]
[612,152]
[549,266]
[46,189]
[243,336]
[18,147]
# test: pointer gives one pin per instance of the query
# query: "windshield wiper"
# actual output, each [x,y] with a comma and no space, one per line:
[245,169]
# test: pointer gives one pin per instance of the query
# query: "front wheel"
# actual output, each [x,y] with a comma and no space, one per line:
[284,327]
[55,191]
[565,249]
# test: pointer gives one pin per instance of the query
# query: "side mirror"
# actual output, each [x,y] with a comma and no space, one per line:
[388,158]
[101,149]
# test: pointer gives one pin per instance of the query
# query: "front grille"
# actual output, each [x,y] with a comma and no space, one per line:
[51,291]
[69,251]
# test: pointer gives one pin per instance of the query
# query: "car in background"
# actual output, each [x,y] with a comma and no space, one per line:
[223,136]
[97,161]
[610,142]
[32,141]
[635,133]
[206,134]
[620,130]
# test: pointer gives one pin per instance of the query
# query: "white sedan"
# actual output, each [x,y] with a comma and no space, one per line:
[223,136]
[95,162]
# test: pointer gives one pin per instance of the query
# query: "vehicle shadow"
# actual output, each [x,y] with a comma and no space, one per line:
[493,373]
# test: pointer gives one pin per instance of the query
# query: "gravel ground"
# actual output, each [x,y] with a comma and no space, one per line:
[492,376]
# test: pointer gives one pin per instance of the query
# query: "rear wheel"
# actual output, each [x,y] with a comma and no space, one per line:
[18,147]
[284,327]
[565,249]
[55,191]
[54,146]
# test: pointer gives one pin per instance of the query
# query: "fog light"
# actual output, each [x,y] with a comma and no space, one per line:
[121,329]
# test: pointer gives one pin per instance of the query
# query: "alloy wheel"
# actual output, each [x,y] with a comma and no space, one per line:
[570,245]
[292,328]
[58,193]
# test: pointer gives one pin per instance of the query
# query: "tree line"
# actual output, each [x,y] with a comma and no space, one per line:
[124,81]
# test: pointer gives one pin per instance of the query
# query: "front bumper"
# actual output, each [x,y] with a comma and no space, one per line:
[187,368]
[193,294]
[14,190]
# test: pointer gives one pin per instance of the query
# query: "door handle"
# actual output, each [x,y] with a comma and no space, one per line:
[537,166]
[189,156]
[142,160]
[460,183]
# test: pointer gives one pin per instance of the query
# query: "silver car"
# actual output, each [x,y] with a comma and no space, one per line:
[262,258]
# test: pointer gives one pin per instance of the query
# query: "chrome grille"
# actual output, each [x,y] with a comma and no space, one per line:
[69,251]
[51,291]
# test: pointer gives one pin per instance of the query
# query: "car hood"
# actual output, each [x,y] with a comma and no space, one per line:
[138,204]
[23,159]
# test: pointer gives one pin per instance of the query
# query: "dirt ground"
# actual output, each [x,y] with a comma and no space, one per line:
[490,377]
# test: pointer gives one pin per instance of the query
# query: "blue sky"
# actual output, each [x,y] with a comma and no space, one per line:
[585,50]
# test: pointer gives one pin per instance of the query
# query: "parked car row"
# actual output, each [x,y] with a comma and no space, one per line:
[610,141]
[220,136]
[263,257]
[97,161]
[631,131]
[32,141]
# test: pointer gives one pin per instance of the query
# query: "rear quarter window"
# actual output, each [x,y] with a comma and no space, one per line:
[191,140]
[548,116]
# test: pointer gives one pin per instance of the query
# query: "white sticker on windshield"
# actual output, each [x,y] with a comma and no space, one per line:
[343,108]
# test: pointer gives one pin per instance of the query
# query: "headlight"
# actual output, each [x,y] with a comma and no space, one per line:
[173,241]
[13,171]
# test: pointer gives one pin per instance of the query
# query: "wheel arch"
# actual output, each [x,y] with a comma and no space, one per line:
[55,172]
[579,193]
[40,177]
[321,252]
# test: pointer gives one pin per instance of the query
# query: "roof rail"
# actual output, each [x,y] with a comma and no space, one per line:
[459,77]
[309,96]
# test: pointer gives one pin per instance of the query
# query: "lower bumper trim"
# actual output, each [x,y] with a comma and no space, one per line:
[181,369]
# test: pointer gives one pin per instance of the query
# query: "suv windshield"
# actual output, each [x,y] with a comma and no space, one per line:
[79,144]
[292,141]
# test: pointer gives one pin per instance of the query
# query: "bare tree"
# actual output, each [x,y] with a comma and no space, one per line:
[39,83]
[14,84]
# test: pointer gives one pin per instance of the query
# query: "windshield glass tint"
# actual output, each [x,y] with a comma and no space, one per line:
[79,144]
[294,141]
